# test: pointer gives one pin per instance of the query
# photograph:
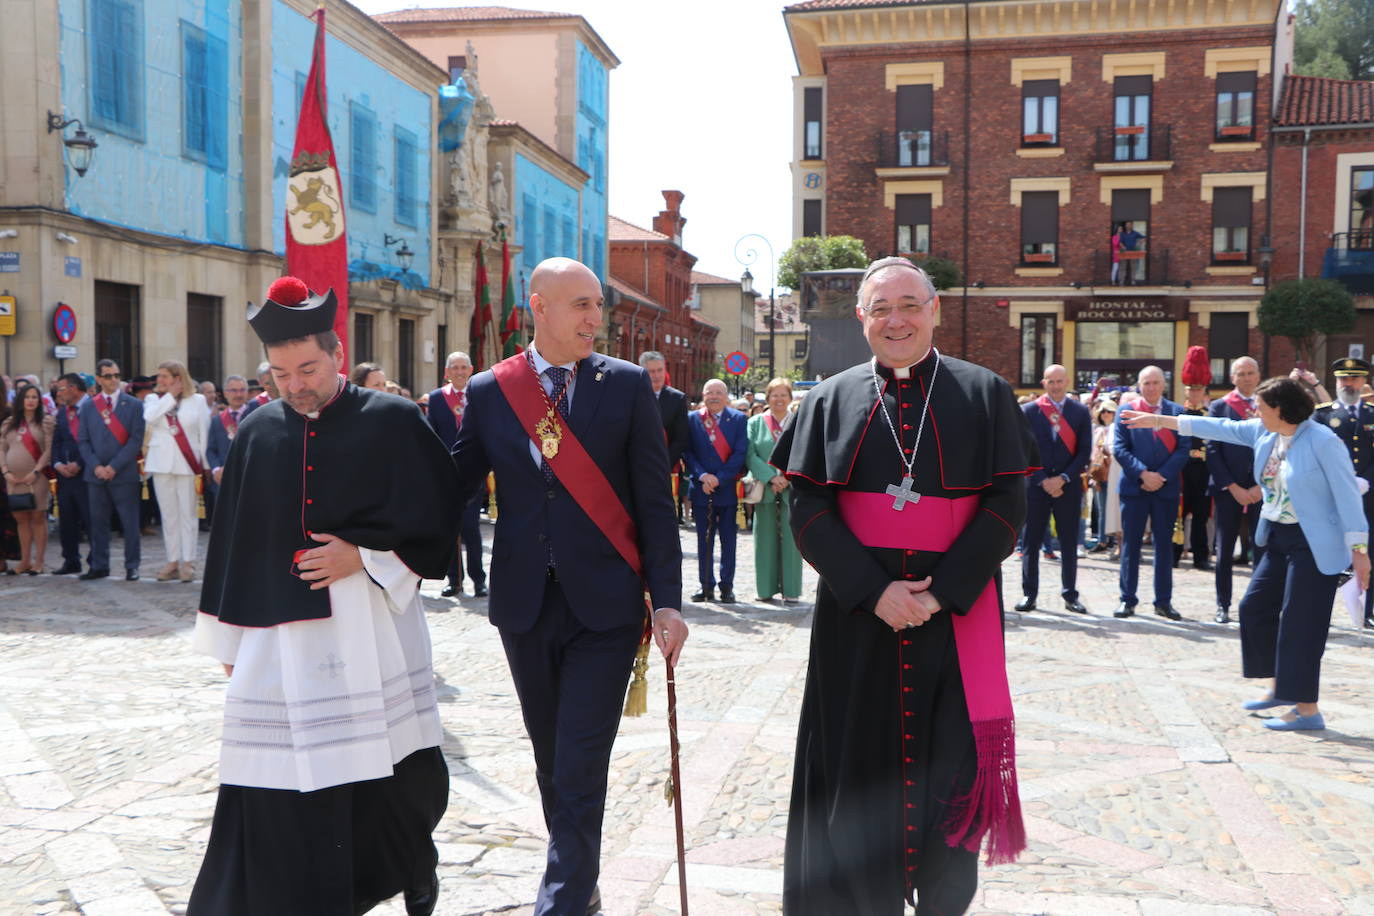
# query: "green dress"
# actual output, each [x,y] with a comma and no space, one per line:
[766,539]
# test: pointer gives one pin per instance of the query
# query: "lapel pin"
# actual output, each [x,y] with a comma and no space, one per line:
[599,375]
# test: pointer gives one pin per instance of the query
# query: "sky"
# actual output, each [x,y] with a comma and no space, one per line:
[701,103]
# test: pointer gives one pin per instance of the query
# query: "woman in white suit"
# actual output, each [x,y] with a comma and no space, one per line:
[178,427]
[1312,527]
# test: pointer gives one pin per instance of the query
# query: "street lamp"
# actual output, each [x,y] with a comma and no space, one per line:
[403,254]
[79,147]
[748,257]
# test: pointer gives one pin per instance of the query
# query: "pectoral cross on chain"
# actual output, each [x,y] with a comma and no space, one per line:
[903,494]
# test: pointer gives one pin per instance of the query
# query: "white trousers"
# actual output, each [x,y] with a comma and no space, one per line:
[176,502]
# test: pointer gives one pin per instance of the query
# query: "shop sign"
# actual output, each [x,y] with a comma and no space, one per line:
[71,266]
[7,316]
[1145,308]
[9,262]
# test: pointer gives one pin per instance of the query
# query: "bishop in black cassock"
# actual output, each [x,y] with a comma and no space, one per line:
[905,755]
[332,778]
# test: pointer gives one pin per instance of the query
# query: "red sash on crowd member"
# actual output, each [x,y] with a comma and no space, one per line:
[262,397]
[1240,405]
[454,399]
[992,808]
[1167,436]
[106,408]
[183,443]
[585,482]
[229,419]
[26,436]
[1058,423]
[774,426]
[73,420]
[714,433]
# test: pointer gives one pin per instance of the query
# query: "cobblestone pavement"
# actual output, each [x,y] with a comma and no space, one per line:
[1147,791]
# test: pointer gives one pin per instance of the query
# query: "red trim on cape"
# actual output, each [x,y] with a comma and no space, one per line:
[1000,519]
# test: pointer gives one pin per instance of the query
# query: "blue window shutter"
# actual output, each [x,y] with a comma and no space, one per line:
[115,50]
[193,110]
[529,230]
[363,158]
[204,94]
[569,238]
[406,190]
[217,102]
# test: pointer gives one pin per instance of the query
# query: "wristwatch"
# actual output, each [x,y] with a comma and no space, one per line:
[1360,548]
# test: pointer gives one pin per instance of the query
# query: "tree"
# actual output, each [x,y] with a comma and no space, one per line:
[1334,38]
[1303,310]
[815,252]
[943,272]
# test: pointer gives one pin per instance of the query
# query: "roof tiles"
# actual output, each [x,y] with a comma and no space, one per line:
[618,230]
[1312,101]
[466,14]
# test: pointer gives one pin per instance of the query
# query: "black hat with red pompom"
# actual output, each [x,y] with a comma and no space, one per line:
[292,311]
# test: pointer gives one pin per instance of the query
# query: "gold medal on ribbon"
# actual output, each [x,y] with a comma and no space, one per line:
[1335,422]
[550,434]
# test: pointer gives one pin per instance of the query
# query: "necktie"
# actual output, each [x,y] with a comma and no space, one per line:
[557,375]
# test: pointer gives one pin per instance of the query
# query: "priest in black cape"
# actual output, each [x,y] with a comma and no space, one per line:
[334,502]
[905,756]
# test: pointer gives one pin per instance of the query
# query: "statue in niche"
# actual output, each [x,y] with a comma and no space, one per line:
[457,190]
[498,197]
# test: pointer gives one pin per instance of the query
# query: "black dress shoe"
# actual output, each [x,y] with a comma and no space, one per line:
[479,591]
[131,576]
[594,904]
[1074,605]
[1124,610]
[1204,565]
[1223,614]
[93,574]
[1167,612]
[422,903]
[448,592]
[1025,605]
[67,569]
[727,596]
[706,594]
[1369,623]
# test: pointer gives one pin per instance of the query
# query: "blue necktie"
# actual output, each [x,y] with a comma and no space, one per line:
[558,375]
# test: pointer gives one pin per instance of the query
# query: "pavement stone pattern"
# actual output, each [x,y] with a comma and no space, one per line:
[1147,791]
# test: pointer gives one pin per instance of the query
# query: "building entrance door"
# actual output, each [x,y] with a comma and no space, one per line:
[116,325]
[1120,349]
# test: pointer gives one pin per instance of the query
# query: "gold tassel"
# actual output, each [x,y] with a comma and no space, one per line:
[637,699]
[669,795]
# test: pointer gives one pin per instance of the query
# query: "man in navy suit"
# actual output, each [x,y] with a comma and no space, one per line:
[672,404]
[73,503]
[224,426]
[1063,433]
[445,416]
[565,595]
[718,440]
[1151,466]
[1236,494]
[110,437]
[1352,419]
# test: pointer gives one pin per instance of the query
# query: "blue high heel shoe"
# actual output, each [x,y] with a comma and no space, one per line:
[1267,703]
[1314,722]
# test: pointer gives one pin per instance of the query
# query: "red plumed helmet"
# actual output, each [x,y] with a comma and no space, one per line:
[1197,369]
[288,291]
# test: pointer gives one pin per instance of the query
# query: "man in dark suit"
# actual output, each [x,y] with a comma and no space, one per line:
[1151,467]
[224,426]
[1063,433]
[575,549]
[1353,420]
[1236,496]
[445,416]
[109,438]
[672,404]
[73,502]
[718,441]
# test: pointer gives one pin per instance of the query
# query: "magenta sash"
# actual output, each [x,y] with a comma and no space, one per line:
[993,806]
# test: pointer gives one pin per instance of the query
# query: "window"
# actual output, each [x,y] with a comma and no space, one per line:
[1037,345]
[457,63]
[407,196]
[405,353]
[117,324]
[1131,123]
[811,218]
[1131,228]
[913,224]
[765,348]
[914,118]
[550,233]
[115,70]
[1361,208]
[811,123]
[569,238]
[362,338]
[362,136]
[1231,226]
[529,230]
[203,324]
[1235,106]
[204,103]
[1040,113]
[1228,338]
[799,348]
[1040,228]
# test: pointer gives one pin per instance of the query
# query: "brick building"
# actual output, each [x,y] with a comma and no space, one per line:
[649,307]
[1014,138]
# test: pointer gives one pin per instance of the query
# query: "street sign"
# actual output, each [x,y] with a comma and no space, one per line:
[736,363]
[64,324]
[7,319]
[63,351]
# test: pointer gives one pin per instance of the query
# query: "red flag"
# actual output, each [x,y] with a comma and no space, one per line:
[316,245]
[510,325]
[481,313]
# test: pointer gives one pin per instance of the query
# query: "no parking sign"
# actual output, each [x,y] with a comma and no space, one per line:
[736,363]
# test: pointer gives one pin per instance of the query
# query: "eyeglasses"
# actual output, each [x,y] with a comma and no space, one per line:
[907,310]
[109,375]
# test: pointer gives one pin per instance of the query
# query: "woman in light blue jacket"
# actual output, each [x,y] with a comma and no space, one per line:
[1312,528]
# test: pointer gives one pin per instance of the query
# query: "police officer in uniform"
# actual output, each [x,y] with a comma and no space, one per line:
[1353,420]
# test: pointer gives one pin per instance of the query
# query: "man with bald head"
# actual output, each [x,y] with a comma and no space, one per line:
[1063,432]
[586,527]
[1152,463]
[1236,496]
[717,443]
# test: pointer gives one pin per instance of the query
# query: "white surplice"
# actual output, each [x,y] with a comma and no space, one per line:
[319,703]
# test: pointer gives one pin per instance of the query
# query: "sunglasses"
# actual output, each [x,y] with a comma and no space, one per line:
[109,375]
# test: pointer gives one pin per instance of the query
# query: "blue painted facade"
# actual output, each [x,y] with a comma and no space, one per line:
[592,120]
[379,123]
[546,219]
[158,83]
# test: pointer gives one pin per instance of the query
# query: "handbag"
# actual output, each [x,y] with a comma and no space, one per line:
[22,502]
[753,489]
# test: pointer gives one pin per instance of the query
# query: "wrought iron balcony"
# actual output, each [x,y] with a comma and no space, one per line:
[1350,260]
[1147,267]
[912,149]
[1145,147]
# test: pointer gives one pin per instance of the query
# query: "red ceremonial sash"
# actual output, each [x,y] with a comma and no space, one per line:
[774,426]
[1241,406]
[73,421]
[183,443]
[230,421]
[30,443]
[1058,424]
[992,808]
[107,414]
[1167,436]
[454,400]
[713,432]
[572,465]
[262,397]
